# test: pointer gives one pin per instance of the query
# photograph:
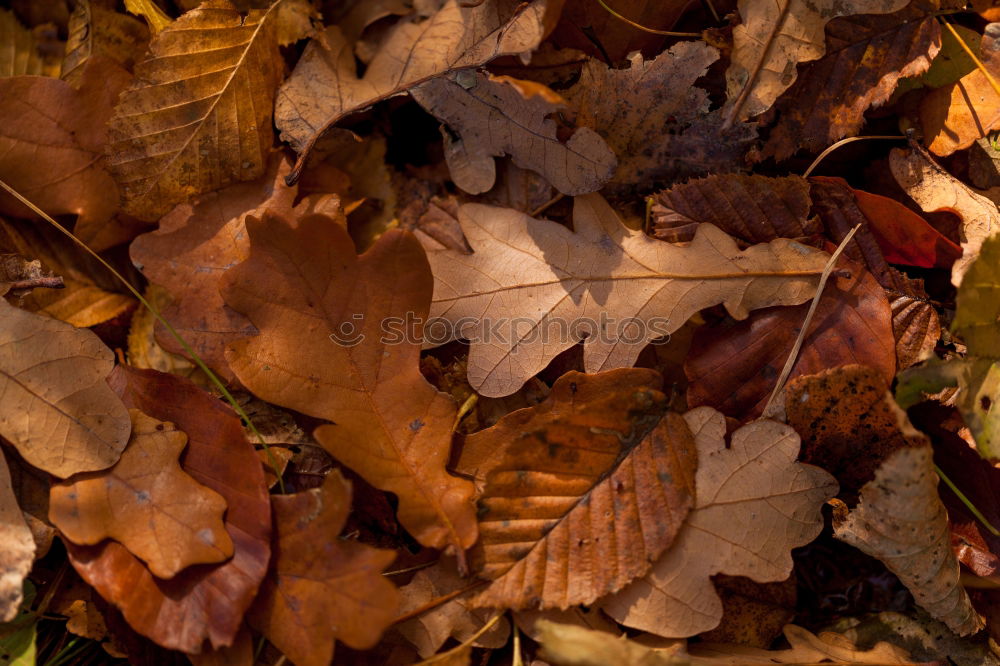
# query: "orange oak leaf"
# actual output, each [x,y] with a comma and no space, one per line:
[573,511]
[201,607]
[197,242]
[56,409]
[325,87]
[753,504]
[324,350]
[60,132]
[147,503]
[322,589]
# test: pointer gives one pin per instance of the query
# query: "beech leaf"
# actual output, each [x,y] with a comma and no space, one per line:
[533,288]
[774,37]
[198,115]
[900,520]
[322,588]
[753,504]
[23,52]
[57,409]
[322,350]
[493,117]
[94,30]
[147,503]
[325,87]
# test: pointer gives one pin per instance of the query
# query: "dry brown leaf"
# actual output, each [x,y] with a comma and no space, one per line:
[775,37]
[533,288]
[198,115]
[313,301]
[147,503]
[490,117]
[60,132]
[24,51]
[143,350]
[901,521]
[18,552]
[56,409]
[865,57]
[94,30]
[934,189]
[324,87]
[655,119]
[750,494]
[453,619]
[322,589]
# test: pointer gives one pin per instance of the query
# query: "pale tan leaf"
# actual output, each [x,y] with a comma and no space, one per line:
[901,520]
[18,551]
[94,30]
[533,288]
[775,37]
[198,115]
[753,504]
[493,117]
[55,406]
[934,189]
[147,503]
[325,86]
[22,52]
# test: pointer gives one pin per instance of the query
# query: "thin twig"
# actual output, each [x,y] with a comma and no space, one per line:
[434,603]
[966,501]
[639,26]
[545,206]
[842,142]
[769,409]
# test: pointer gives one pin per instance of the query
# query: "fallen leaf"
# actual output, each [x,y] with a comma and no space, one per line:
[198,115]
[533,288]
[145,353]
[453,619]
[23,52]
[774,37]
[203,603]
[325,87]
[900,520]
[751,494]
[865,57]
[60,132]
[94,30]
[492,117]
[18,553]
[609,401]
[566,645]
[753,614]
[322,589]
[148,9]
[572,513]
[934,189]
[56,409]
[314,301]
[654,118]
[954,116]
[848,423]
[147,503]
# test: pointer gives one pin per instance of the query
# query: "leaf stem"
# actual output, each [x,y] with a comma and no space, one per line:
[156,313]
[639,26]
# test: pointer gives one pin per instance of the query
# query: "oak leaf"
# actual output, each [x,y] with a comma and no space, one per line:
[18,552]
[201,607]
[655,119]
[865,58]
[60,132]
[774,37]
[24,53]
[147,503]
[753,504]
[934,189]
[322,589]
[900,520]
[493,116]
[323,351]
[198,115]
[559,284]
[325,87]
[95,30]
[56,408]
